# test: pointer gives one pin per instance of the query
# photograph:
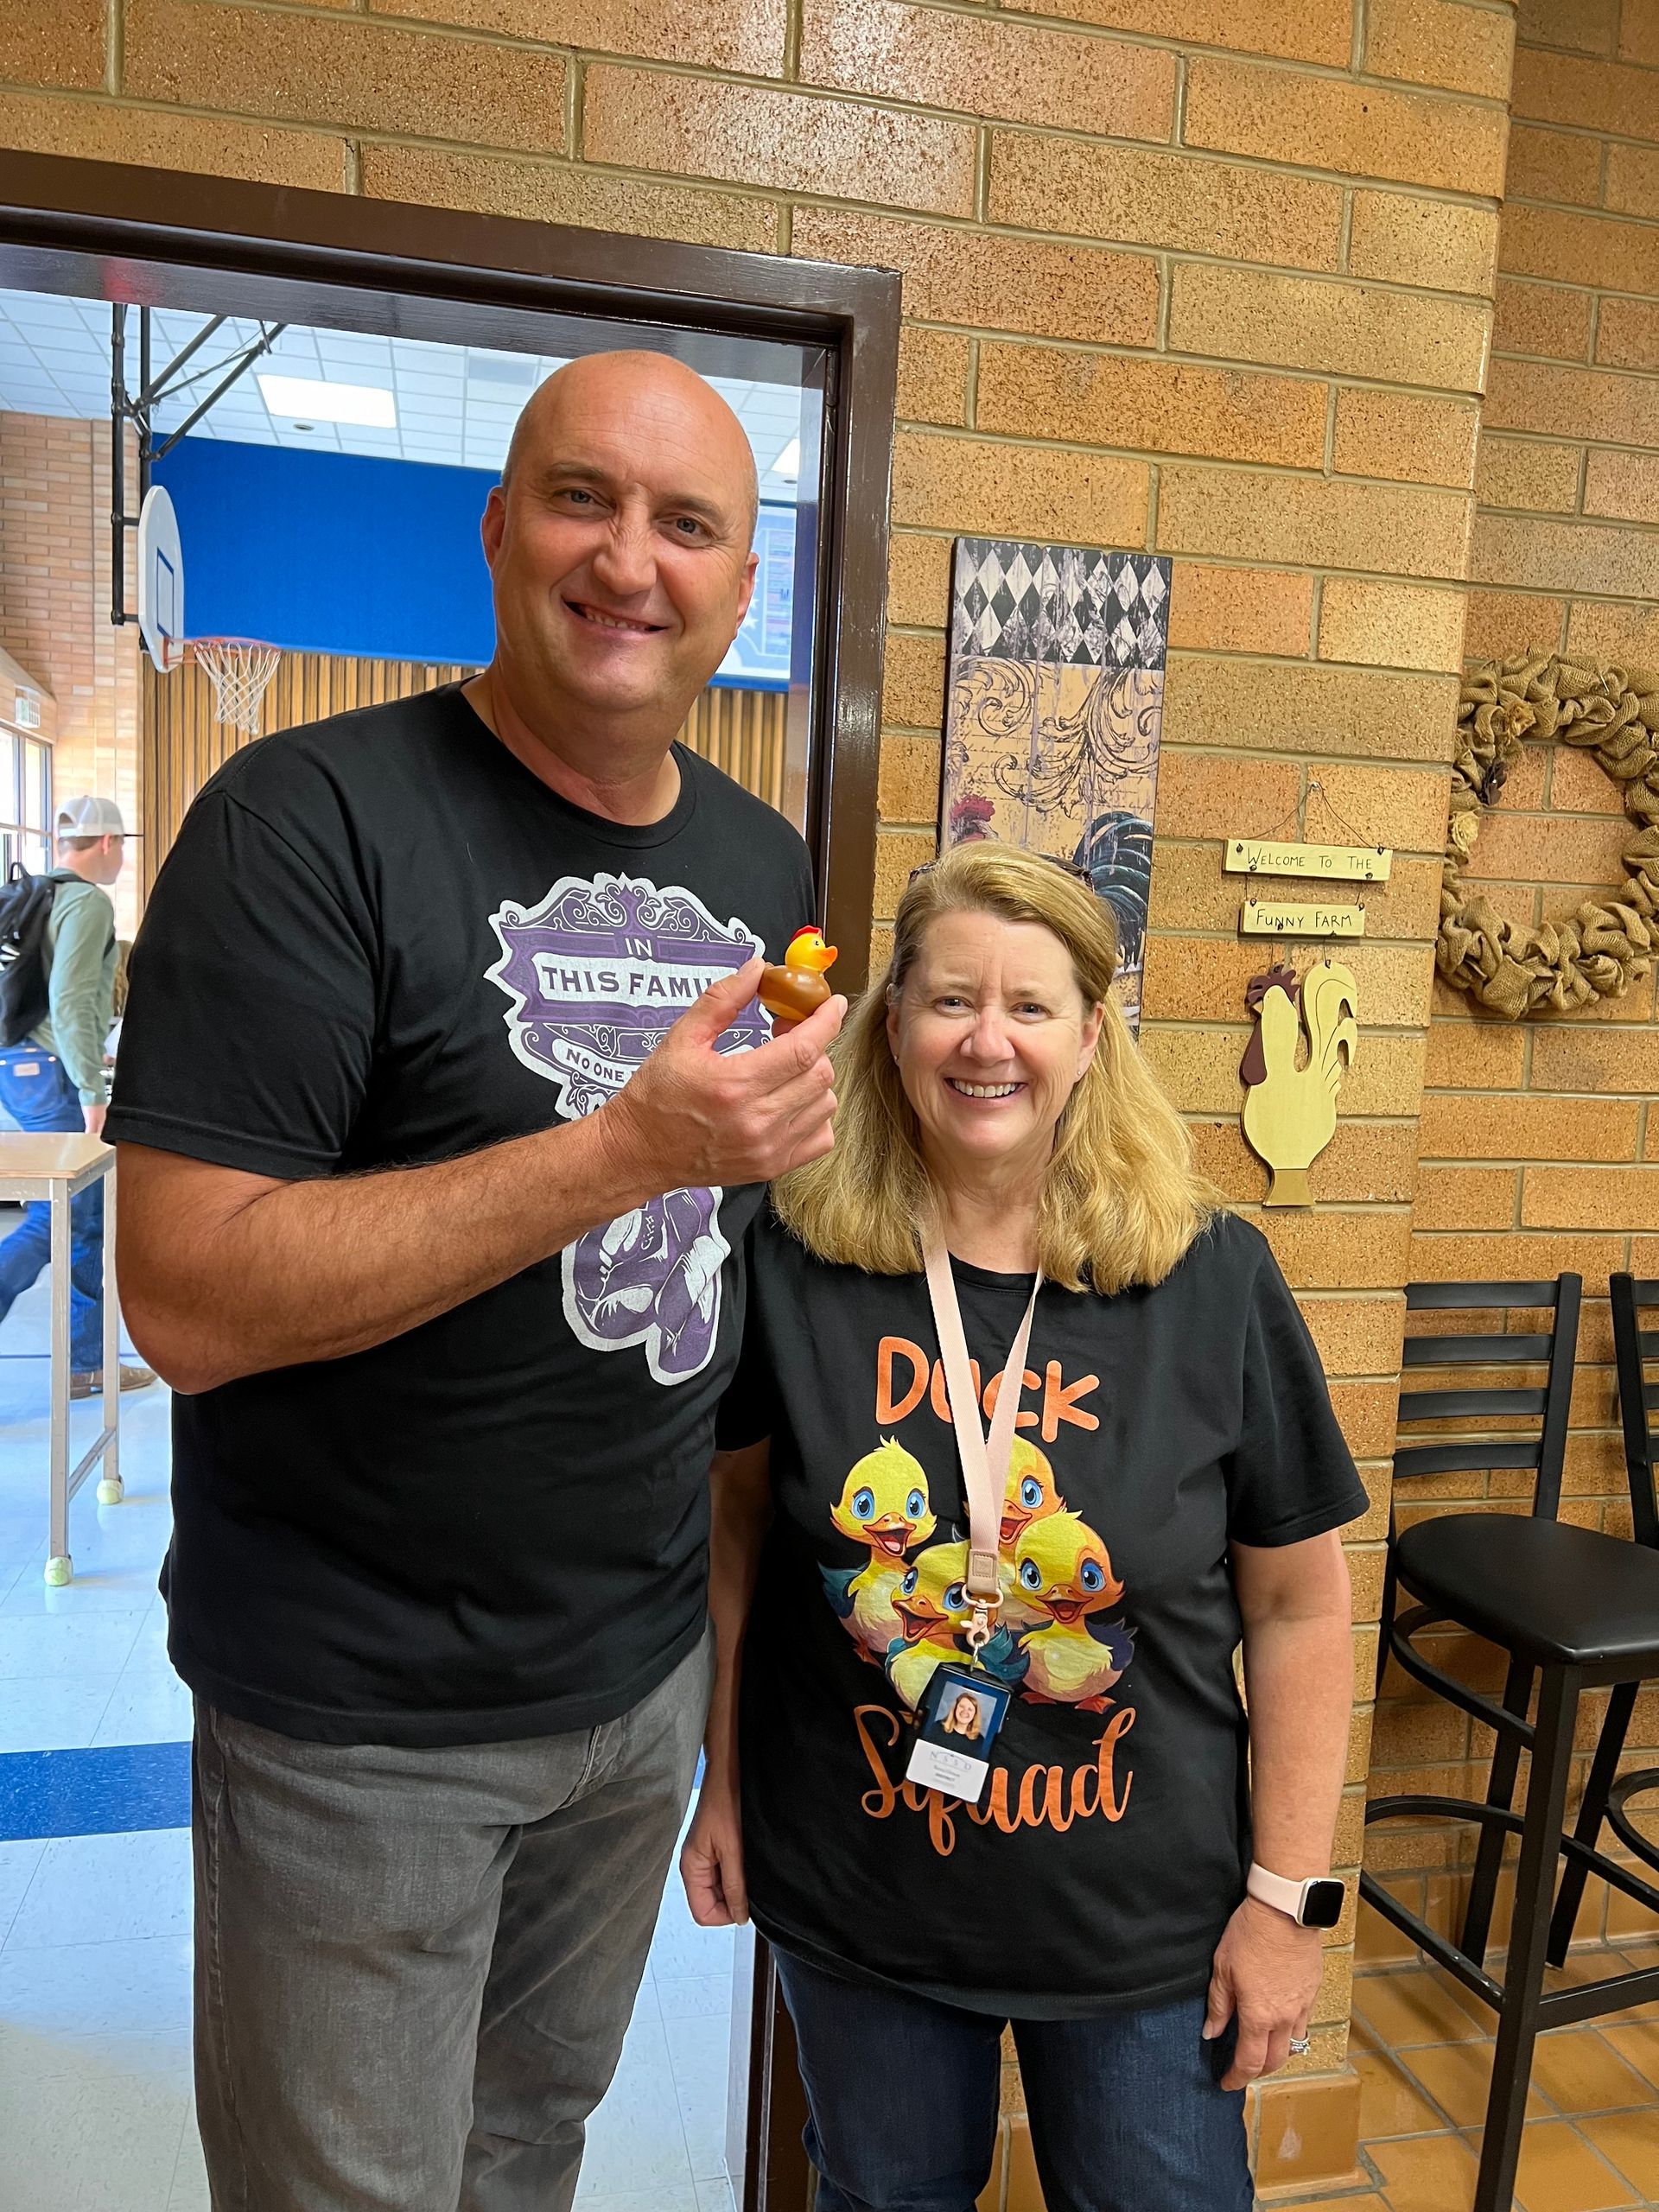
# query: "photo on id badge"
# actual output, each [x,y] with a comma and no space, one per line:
[961,1715]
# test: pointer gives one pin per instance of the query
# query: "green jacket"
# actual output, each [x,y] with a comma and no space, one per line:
[81,982]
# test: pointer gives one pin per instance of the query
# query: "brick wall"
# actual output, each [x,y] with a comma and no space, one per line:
[54,610]
[1211,277]
[1537,1139]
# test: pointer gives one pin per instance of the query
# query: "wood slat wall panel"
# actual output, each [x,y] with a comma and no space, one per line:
[182,745]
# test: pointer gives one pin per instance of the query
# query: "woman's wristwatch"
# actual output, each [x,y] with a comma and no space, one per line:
[1316,1902]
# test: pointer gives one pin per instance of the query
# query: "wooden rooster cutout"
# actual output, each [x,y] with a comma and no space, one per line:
[1290,1110]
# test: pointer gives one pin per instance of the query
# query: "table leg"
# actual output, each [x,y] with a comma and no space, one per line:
[111,1489]
[58,1567]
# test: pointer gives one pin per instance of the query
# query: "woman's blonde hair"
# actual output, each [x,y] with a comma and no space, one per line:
[1120,1201]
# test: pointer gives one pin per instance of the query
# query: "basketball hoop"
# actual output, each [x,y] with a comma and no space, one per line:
[240,671]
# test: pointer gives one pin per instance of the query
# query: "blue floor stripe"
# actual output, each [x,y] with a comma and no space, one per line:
[108,1792]
[114,1791]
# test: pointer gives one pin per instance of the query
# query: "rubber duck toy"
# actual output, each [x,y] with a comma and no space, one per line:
[1062,1569]
[797,988]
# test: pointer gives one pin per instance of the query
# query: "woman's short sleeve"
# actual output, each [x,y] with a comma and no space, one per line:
[1291,1475]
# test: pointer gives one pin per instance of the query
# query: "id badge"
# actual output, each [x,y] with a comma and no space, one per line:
[961,1713]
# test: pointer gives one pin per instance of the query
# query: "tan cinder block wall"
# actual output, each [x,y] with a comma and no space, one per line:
[1538,1140]
[1211,276]
[54,609]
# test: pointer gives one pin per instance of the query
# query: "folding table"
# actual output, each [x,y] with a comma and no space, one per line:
[57,1169]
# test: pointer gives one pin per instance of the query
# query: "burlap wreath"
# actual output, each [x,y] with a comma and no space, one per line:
[1517,967]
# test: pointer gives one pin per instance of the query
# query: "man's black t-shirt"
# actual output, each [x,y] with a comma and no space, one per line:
[381,941]
[1101,1865]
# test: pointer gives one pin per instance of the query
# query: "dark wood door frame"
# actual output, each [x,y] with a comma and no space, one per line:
[163,238]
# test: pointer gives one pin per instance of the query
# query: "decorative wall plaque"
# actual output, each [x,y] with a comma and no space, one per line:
[1056,700]
[1290,1111]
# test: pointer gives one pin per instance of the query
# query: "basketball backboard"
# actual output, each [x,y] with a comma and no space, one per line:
[161,581]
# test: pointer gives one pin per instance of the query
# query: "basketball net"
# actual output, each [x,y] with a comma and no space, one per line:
[240,673]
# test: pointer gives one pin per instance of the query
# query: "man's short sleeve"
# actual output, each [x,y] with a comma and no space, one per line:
[748,1414]
[249,1027]
[1291,1476]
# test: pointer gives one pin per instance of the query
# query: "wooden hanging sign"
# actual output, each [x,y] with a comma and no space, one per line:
[1260,919]
[1344,863]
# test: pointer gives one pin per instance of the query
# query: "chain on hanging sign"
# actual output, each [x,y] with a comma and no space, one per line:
[1516,969]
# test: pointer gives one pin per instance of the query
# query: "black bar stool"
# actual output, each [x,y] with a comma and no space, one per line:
[1573,1608]
[1607,1793]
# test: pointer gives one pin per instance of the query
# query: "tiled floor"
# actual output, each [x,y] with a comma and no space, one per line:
[95,2101]
[1424,2057]
[95,2098]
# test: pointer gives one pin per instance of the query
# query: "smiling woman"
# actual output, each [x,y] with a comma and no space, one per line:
[992,1052]
[1007,1172]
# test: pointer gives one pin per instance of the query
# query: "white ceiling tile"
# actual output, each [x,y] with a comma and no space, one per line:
[54,359]
[47,312]
[448,382]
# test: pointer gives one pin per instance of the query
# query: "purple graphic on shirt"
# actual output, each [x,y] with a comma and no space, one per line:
[596,974]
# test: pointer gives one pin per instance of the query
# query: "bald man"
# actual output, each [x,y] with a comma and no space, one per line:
[444,1101]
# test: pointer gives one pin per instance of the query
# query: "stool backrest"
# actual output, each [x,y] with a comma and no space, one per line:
[1633,1345]
[1476,1409]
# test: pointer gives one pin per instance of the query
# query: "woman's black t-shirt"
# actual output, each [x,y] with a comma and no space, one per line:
[1109,1847]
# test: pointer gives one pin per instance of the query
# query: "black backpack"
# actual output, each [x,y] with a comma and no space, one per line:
[25,908]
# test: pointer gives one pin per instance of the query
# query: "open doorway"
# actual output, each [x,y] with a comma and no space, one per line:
[326,495]
[451,321]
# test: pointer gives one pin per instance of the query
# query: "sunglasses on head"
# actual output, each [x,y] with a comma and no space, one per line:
[1077,873]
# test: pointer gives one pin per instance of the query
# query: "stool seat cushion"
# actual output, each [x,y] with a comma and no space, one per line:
[1546,1590]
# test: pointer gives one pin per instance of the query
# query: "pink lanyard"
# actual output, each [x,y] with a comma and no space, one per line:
[984,1467]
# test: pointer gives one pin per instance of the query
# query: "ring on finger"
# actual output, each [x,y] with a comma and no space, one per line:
[1299,2046]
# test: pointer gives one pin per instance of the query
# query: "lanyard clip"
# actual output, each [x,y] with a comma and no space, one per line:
[984,1594]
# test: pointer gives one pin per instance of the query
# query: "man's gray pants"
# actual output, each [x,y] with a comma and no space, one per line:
[415,1968]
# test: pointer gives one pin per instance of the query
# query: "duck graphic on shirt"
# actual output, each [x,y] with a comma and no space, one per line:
[934,1610]
[907,1607]
[1032,1494]
[1063,1571]
[931,1607]
[883,1504]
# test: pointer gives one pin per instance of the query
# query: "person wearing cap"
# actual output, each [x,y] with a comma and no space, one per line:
[55,1079]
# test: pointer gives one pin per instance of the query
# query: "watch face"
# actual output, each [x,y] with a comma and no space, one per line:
[1322,1904]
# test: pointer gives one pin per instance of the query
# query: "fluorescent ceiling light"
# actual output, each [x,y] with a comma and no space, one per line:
[317,402]
[787,466]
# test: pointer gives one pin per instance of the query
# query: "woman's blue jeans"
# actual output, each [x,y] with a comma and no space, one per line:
[1126,2111]
[39,1097]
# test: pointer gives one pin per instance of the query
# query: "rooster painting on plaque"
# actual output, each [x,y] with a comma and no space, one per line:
[1056,699]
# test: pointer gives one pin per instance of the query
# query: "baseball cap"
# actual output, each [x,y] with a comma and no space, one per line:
[89,815]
